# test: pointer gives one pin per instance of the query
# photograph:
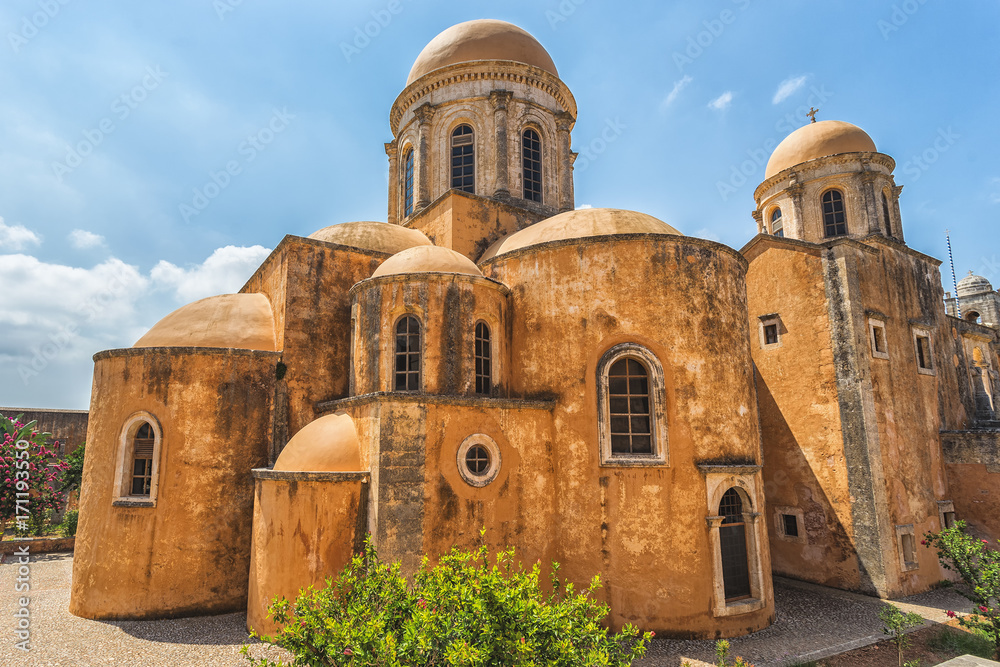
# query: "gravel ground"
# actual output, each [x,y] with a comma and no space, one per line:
[813,622]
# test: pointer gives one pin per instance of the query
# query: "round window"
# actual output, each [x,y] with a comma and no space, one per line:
[478,459]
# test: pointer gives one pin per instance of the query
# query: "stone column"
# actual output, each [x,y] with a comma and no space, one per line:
[871,206]
[422,167]
[499,99]
[896,189]
[759,217]
[797,228]
[390,151]
[564,121]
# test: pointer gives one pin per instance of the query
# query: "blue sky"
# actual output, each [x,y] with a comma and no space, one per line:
[113,115]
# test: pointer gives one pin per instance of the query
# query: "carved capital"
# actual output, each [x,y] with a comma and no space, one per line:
[564,121]
[424,113]
[500,99]
[869,177]
[757,215]
[390,149]
[896,189]
[796,190]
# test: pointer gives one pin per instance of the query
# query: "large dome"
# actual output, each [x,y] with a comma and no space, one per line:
[367,235]
[328,444]
[816,140]
[578,224]
[427,259]
[242,321]
[972,284]
[485,39]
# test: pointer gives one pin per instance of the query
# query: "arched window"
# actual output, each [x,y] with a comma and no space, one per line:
[776,225]
[138,461]
[631,399]
[733,543]
[885,215]
[408,182]
[972,316]
[142,460]
[463,159]
[531,162]
[407,354]
[484,360]
[834,218]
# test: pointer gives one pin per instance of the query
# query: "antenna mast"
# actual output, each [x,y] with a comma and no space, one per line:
[954,280]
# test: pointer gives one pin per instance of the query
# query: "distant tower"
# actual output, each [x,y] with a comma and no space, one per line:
[827,180]
[483,112]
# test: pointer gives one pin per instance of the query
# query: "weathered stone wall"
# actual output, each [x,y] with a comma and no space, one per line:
[190,553]
[972,461]
[68,427]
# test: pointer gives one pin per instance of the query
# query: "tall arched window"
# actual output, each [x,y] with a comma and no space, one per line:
[142,460]
[484,360]
[408,182]
[733,542]
[631,404]
[407,354]
[885,215]
[531,162]
[463,159]
[834,218]
[777,227]
[628,396]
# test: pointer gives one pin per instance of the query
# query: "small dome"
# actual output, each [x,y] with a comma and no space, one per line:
[242,321]
[485,39]
[972,284]
[328,444]
[427,259]
[816,140]
[377,236]
[579,224]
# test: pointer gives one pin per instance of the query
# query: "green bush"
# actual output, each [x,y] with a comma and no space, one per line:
[957,642]
[73,475]
[462,611]
[896,624]
[27,466]
[68,527]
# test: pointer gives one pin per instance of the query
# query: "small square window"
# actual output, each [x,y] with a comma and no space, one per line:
[907,545]
[791,523]
[770,334]
[949,519]
[876,335]
[771,331]
[923,351]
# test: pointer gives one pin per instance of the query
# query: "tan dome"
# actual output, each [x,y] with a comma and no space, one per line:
[427,259]
[972,284]
[242,321]
[328,444]
[485,39]
[580,224]
[816,140]
[367,235]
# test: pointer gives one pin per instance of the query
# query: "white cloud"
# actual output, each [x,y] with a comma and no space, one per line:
[16,237]
[722,101]
[676,91]
[707,234]
[583,206]
[224,272]
[82,239]
[787,88]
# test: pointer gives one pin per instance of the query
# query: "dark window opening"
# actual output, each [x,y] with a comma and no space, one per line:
[531,162]
[791,525]
[834,218]
[142,460]
[885,214]
[909,549]
[878,339]
[408,182]
[477,460]
[484,360]
[770,334]
[949,519]
[408,354]
[463,160]
[777,228]
[631,420]
[972,316]
[733,542]
[924,353]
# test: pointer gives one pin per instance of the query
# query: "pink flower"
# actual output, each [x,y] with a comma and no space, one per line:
[923,542]
[348,651]
[951,614]
[985,542]
[983,609]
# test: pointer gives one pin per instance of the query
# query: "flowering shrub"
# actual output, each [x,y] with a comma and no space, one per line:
[979,567]
[27,465]
[462,611]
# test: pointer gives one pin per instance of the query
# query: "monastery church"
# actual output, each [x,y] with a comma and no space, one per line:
[591,386]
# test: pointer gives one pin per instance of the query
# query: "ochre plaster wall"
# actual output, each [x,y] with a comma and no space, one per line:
[974,490]
[305,529]
[188,555]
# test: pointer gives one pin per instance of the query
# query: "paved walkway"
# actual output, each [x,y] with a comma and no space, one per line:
[813,622]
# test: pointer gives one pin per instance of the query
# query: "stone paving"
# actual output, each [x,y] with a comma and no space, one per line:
[813,622]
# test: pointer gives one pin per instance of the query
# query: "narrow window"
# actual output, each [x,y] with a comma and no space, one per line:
[142,460]
[531,160]
[878,338]
[770,331]
[733,542]
[791,525]
[834,219]
[408,354]
[484,360]
[628,393]
[463,159]
[876,335]
[408,183]
[885,215]
[924,360]
[770,334]
[909,549]
[776,224]
[949,519]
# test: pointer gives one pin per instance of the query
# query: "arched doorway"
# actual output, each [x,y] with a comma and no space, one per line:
[733,543]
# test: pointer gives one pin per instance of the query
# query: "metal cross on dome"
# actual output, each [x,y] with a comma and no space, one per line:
[812,113]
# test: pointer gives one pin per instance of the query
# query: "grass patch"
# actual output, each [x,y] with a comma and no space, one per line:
[948,640]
